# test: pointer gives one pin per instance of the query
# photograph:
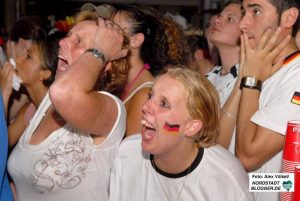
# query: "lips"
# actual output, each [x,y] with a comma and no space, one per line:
[62,64]
[148,131]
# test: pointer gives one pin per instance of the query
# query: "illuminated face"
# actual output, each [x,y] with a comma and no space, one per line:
[28,62]
[225,28]
[75,44]
[259,15]
[165,117]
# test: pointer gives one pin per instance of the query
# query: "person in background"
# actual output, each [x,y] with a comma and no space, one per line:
[271,57]
[115,77]
[35,54]
[225,35]
[69,147]
[175,157]
[200,59]
[213,51]
[154,42]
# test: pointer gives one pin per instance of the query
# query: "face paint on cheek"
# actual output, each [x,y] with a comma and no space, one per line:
[171,129]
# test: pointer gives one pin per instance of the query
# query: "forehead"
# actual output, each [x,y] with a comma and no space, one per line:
[121,18]
[258,3]
[84,26]
[232,9]
[169,87]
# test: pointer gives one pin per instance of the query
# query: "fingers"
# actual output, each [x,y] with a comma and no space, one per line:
[270,45]
[280,47]
[243,57]
[264,39]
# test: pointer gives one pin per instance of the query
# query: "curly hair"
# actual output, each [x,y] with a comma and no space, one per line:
[164,41]
[114,80]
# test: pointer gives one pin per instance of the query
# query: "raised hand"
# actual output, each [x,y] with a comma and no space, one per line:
[263,60]
[109,39]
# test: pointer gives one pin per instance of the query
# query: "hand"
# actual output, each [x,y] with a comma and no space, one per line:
[262,61]
[109,39]
[6,75]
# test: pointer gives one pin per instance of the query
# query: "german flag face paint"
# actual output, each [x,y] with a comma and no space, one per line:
[296,98]
[172,129]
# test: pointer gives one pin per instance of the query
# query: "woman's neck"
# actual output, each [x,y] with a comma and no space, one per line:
[136,64]
[176,161]
[37,94]
[229,55]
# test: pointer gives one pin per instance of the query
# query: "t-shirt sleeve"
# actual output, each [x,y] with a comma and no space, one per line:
[280,106]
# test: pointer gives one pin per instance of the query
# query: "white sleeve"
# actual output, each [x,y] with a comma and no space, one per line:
[276,107]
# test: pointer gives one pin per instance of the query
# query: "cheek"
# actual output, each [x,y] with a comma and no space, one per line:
[169,124]
[76,53]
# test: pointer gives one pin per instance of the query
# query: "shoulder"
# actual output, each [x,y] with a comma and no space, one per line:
[214,71]
[227,169]
[140,93]
[116,100]
[224,161]
[131,144]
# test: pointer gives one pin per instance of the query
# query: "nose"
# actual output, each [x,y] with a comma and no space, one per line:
[147,107]
[62,42]
[244,23]
[217,20]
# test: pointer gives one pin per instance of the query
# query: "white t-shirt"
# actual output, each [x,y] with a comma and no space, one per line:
[216,176]
[66,165]
[223,83]
[276,109]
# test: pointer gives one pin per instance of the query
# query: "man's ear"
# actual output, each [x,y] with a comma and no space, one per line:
[136,40]
[193,127]
[289,17]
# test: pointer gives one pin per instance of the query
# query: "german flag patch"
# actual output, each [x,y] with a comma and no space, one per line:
[296,98]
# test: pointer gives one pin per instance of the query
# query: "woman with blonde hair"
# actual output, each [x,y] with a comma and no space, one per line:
[176,157]
[67,151]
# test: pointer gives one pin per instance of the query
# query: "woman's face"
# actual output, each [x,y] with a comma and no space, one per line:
[28,62]
[74,45]
[165,117]
[225,28]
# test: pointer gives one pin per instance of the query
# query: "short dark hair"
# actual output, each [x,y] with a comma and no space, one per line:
[282,5]
[195,42]
[227,3]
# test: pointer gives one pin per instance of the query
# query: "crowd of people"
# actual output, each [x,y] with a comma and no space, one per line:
[128,105]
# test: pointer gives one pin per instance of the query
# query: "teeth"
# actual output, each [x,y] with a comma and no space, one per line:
[147,124]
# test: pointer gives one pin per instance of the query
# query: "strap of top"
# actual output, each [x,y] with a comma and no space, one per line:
[144,85]
[125,94]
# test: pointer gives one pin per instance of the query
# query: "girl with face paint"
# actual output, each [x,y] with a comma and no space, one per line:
[175,157]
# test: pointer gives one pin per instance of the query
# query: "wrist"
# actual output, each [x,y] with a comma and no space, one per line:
[251,83]
[98,54]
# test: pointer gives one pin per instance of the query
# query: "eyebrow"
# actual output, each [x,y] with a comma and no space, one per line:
[253,5]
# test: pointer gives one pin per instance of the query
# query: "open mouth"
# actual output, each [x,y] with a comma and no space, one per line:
[62,63]
[148,130]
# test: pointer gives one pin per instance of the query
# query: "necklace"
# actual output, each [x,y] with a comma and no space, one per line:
[180,191]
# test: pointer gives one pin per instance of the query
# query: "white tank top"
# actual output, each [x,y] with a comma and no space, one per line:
[66,165]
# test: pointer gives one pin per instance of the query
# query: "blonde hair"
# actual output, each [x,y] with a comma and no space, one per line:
[202,102]
[114,80]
